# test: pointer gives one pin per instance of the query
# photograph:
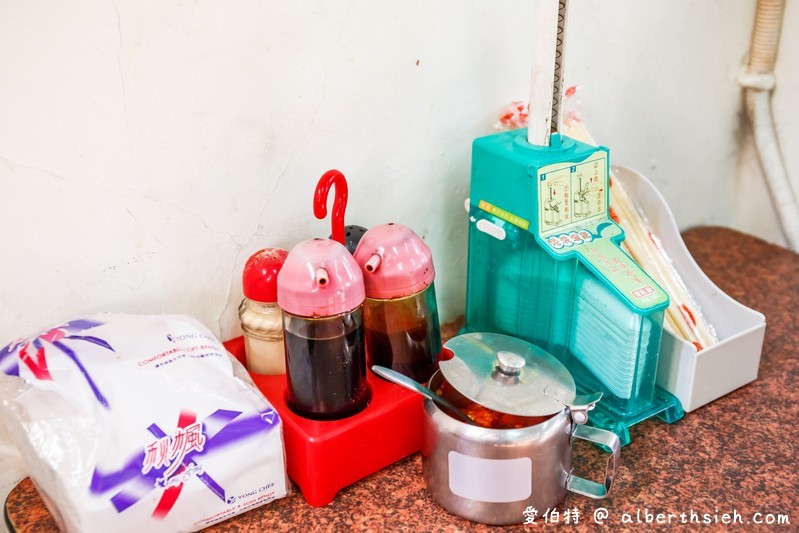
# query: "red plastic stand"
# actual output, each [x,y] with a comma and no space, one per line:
[324,457]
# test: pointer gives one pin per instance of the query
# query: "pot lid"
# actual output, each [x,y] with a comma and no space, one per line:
[508,375]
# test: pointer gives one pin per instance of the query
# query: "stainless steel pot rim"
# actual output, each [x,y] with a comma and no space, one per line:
[507,375]
[510,434]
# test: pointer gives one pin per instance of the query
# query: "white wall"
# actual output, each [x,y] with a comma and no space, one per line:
[148,148]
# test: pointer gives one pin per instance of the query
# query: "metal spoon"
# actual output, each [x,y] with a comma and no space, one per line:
[410,384]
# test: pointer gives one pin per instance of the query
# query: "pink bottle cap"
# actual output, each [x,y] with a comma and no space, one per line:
[319,278]
[259,278]
[395,262]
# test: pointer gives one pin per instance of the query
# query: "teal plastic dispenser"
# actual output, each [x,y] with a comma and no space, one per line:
[545,265]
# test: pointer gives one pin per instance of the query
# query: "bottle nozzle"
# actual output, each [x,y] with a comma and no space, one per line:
[321,277]
[373,262]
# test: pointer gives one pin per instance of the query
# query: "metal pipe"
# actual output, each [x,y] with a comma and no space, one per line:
[542,81]
[560,58]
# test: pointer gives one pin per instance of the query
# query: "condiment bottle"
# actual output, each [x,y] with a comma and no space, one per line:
[321,292]
[260,315]
[400,312]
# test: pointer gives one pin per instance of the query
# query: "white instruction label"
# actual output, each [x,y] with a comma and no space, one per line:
[490,480]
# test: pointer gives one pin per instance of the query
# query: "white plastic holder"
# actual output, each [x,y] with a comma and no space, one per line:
[698,378]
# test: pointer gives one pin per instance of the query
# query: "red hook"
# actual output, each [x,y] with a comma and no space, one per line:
[329,179]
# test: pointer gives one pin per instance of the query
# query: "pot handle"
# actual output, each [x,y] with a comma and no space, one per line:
[592,489]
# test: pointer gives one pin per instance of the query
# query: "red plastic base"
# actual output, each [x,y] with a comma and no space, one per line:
[324,457]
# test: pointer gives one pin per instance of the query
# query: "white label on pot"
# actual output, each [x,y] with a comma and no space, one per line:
[490,480]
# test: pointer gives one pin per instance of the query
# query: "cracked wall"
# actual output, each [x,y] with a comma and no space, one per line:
[148,148]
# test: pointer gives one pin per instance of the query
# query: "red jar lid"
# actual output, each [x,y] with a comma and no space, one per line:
[259,279]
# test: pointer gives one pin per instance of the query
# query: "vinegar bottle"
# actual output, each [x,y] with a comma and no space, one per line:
[400,312]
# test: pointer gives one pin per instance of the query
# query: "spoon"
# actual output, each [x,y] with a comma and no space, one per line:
[404,381]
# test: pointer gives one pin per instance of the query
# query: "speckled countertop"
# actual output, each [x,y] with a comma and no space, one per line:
[737,454]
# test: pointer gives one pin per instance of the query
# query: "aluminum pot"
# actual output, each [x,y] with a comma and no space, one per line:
[492,475]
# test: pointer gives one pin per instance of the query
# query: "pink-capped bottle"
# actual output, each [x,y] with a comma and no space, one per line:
[400,312]
[321,293]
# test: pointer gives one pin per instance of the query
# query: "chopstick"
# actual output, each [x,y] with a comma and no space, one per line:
[683,317]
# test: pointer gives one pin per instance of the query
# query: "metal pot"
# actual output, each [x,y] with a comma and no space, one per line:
[493,475]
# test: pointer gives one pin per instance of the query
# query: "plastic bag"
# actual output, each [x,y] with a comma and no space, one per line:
[141,423]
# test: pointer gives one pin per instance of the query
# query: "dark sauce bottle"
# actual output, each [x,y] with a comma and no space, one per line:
[400,312]
[403,334]
[320,291]
[326,365]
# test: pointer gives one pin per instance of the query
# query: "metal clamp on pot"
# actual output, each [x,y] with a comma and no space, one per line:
[492,475]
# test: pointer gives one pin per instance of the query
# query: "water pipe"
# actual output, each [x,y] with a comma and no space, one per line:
[757,79]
